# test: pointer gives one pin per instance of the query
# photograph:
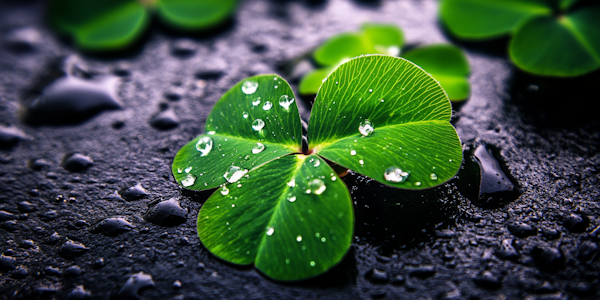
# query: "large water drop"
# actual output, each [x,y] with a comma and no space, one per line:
[394,174]
[188,180]
[317,186]
[366,128]
[234,174]
[204,145]
[258,124]
[260,147]
[285,101]
[249,87]
[267,105]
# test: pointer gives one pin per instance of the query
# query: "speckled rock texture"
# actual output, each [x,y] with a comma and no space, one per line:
[80,212]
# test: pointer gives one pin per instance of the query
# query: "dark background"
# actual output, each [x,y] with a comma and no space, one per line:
[435,244]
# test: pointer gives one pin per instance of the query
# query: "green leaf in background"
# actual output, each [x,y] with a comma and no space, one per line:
[292,218]
[444,61]
[390,122]
[291,215]
[255,122]
[477,19]
[107,25]
[100,25]
[447,64]
[339,48]
[383,38]
[194,14]
[549,38]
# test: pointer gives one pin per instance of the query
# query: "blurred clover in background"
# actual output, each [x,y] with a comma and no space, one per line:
[110,25]
[445,62]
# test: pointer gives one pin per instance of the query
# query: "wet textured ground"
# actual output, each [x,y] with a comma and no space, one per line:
[81,215]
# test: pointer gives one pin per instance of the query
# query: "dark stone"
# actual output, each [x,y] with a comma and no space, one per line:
[545,288]
[507,251]
[551,234]
[79,293]
[422,272]
[71,249]
[583,289]
[166,213]
[26,244]
[112,226]
[135,192]
[377,276]
[48,215]
[183,47]
[488,280]
[165,120]
[10,136]
[588,251]
[398,280]
[26,207]
[445,233]
[522,230]
[98,263]
[19,272]
[52,271]
[77,162]
[10,226]
[24,39]
[53,239]
[576,223]
[7,263]
[549,259]
[6,216]
[39,164]
[73,271]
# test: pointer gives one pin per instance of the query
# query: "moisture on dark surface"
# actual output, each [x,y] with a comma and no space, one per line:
[89,208]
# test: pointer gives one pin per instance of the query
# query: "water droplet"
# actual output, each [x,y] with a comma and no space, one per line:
[179,170]
[211,132]
[204,145]
[234,174]
[317,185]
[245,115]
[256,101]
[352,152]
[188,180]
[370,90]
[267,105]
[249,87]
[299,238]
[134,285]
[224,191]
[433,176]
[287,261]
[292,183]
[323,239]
[366,128]
[258,124]
[418,183]
[188,169]
[312,263]
[317,163]
[270,231]
[260,147]
[291,197]
[112,226]
[395,174]
[333,178]
[361,162]
[285,101]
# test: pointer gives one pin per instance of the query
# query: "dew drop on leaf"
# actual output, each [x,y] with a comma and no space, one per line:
[256,101]
[292,183]
[249,87]
[394,174]
[312,264]
[260,147]
[188,180]
[234,174]
[224,191]
[179,170]
[258,124]
[366,128]
[204,145]
[188,169]
[270,231]
[317,185]
[285,101]
[433,176]
[245,115]
[361,162]
[291,197]
[418,183]
[299,238]
[267,105]
[323,239]
[211,132]
[352,152]
[317,163]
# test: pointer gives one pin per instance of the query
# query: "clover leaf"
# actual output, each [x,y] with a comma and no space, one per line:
[549,38]
[115,24]
[446,63]
[288,212]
